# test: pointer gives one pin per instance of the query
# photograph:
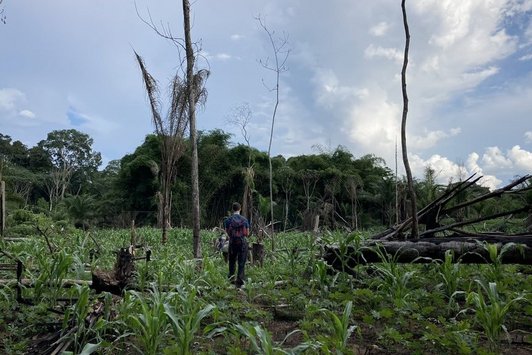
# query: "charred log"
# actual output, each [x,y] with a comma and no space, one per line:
[116,280]
[465,249]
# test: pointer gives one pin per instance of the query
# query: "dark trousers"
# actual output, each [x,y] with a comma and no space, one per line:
[238,252]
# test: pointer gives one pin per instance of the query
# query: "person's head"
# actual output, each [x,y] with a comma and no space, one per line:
[236,207]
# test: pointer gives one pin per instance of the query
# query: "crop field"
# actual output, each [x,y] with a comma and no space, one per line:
[294,303]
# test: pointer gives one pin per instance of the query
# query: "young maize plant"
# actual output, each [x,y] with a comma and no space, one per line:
[491,310]
[185,314]
[395,280]
[342,330]
[147,320]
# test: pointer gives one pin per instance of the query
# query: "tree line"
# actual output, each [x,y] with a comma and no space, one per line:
[60,177]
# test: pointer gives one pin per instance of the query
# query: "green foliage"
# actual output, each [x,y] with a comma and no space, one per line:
[449,272]
[146,318]
[294,304]
[75,319]
[395,279]
[342,330]
[48,282]
[185,315]
[491,309]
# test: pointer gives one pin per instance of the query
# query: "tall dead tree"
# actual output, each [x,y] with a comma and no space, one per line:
[191,95]
[194,93]
[2,207]
[2,16]
[280,55]
[170,129]
[412,193]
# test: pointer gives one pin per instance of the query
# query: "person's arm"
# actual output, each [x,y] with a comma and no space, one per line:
[226,227]
[246,229]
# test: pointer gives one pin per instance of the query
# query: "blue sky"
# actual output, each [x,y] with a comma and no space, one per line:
[70,64]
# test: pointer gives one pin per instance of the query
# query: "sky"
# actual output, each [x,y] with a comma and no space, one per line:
[70,64]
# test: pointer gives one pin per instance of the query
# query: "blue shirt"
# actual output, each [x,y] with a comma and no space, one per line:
[236,226]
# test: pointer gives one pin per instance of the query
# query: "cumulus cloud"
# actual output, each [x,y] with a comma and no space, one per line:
[489,181]
[445,169]
[464,40]
[492,164]
[493,159]
[373,123]
[521,158]
[379,29]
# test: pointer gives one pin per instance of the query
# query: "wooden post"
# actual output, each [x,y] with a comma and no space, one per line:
[2,208]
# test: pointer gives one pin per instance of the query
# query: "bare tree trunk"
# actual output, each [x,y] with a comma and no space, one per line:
[2,208]
[396,188]
[193,134]
[278,68]
[286,206]
[415,227]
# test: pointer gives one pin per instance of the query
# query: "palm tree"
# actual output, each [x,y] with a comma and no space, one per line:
[81,209]
[171,129]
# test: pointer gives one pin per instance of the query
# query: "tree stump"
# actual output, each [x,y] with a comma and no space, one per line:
[257,252]
[116,280]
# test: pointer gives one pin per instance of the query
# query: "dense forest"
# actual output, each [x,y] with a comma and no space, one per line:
[61,177]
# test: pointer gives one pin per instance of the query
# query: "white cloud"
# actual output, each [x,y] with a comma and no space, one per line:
[373,51]
[526,57]
[528,136]
[10,99]
[489,181]
[374,125]
[329,92]
[223,56]
[218,56]
[492,164]
[27,114]
[236,37]
[464,40]
[445,169]
[379,29]
[431,138]
[521,158]
[493,159]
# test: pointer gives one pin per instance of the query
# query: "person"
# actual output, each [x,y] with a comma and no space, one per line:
[237,228]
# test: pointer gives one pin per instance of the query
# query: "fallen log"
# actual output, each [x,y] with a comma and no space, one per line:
[466,250]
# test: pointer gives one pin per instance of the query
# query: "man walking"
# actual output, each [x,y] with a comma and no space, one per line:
[237,228]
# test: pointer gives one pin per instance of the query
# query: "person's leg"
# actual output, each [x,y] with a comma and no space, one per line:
[233,255]
[242,258]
